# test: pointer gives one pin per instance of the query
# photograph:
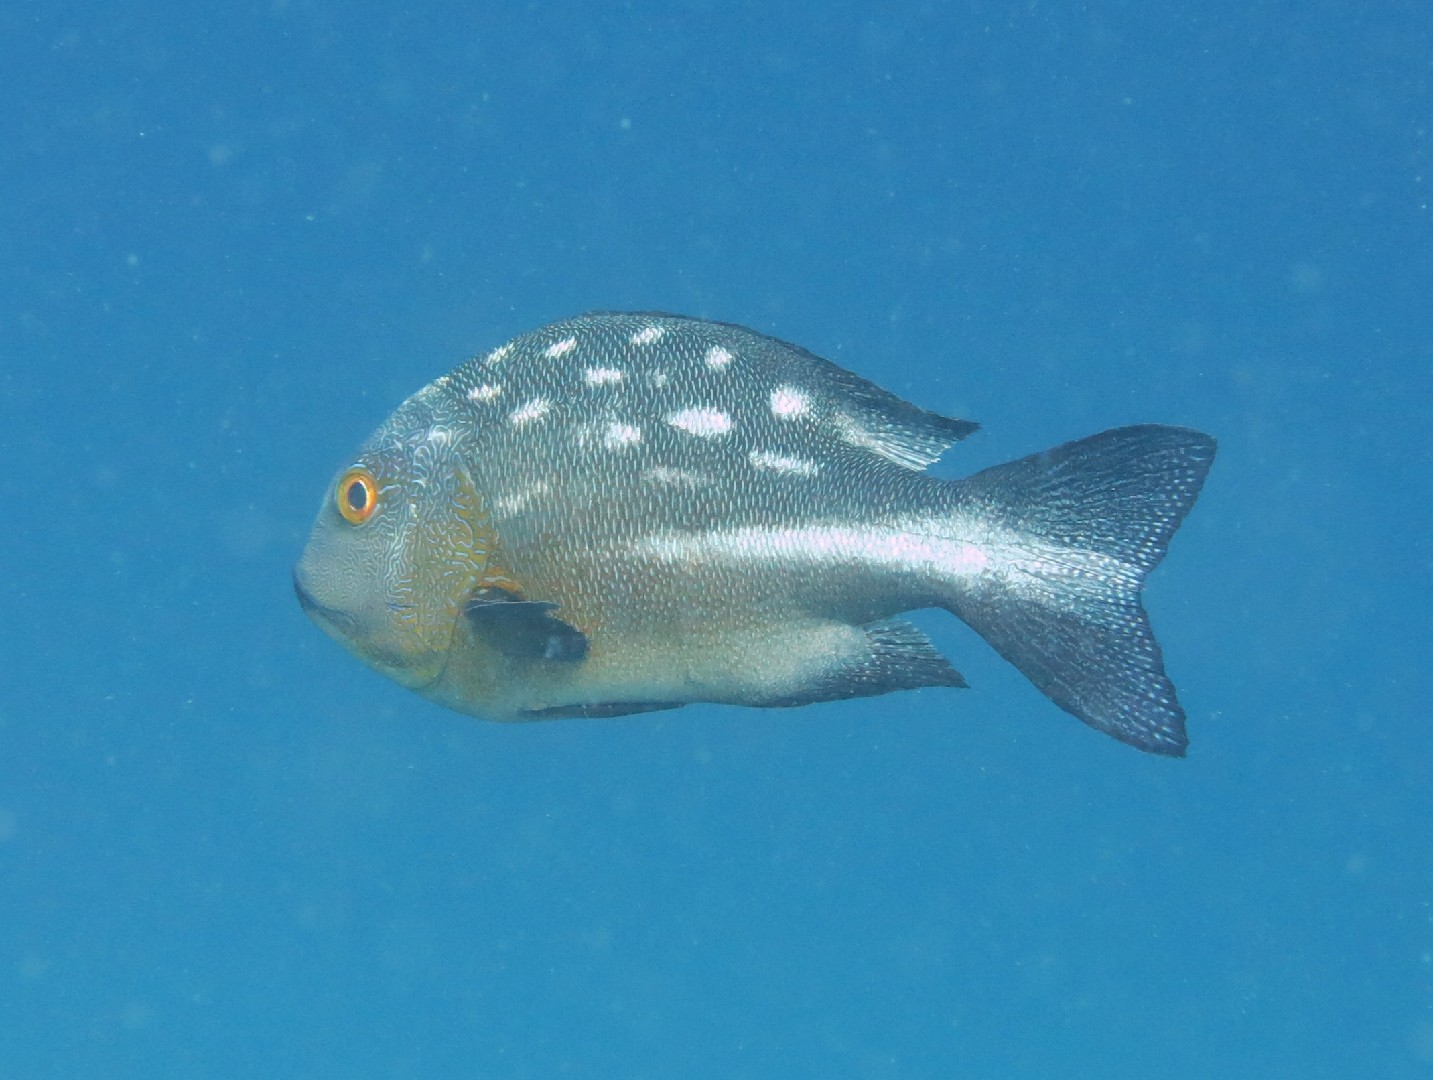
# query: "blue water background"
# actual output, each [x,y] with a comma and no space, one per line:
[234,237]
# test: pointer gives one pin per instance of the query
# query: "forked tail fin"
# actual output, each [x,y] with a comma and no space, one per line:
[1069,537]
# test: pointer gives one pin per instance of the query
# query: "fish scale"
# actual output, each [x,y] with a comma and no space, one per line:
[766,405]
[624,512]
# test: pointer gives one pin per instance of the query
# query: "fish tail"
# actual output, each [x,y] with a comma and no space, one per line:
[1067,538]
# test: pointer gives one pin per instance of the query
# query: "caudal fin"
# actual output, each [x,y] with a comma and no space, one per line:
[1071,535]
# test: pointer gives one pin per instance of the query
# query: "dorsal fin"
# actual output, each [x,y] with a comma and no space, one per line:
[876,420]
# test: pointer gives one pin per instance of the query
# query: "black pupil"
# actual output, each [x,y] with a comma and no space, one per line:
[357,496]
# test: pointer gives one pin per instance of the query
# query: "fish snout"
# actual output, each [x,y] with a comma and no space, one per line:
[306,600]
[338,623]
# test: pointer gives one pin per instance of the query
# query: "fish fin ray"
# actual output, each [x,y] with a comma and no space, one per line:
[876,420]
[912,442]
[524,629]
[1088,521]
[898,656]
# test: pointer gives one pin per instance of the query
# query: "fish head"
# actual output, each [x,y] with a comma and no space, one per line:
[400,545]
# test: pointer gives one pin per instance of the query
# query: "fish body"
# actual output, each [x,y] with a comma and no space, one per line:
[626,512]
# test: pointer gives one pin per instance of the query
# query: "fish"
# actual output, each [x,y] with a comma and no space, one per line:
[626,512]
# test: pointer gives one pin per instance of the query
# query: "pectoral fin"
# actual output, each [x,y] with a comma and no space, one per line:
[524,629]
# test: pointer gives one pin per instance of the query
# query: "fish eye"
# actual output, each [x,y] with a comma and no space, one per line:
[356,495]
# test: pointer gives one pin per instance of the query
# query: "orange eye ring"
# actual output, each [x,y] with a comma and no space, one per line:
[356,495]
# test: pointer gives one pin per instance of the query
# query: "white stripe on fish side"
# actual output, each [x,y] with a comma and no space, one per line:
[891,547]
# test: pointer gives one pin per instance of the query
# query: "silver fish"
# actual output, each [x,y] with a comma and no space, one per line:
[628,512]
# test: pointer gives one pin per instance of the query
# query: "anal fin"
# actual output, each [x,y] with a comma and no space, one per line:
[898,656]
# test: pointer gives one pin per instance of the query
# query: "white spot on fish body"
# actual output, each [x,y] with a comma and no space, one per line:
[649,335]
[703,422]
[789,403]
[560,348]
[486,392]
[718,357]
[782,463]
[601,376]
[498,355]
[669,477]
[535,409]
[619,435]
[508,505]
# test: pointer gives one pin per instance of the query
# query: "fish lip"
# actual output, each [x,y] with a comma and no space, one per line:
[320,612]
[344,628]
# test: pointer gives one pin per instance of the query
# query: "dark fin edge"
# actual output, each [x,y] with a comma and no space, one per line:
[899,657]
[524,629]
[1075,627]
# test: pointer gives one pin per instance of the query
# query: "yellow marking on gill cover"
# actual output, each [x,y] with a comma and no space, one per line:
[447,555]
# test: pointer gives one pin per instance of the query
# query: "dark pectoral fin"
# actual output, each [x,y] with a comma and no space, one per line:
[524,629]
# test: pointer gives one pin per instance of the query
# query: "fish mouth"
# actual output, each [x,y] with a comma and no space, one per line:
[336,622]
[348,631]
